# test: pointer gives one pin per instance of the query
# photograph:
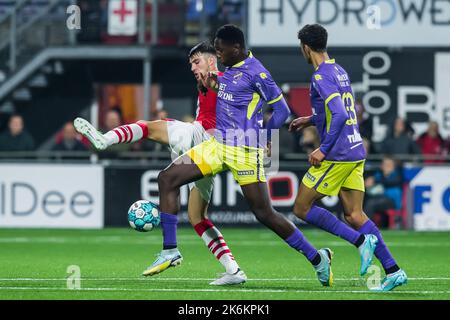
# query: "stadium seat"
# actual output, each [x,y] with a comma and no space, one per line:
[394,216]
[398,218]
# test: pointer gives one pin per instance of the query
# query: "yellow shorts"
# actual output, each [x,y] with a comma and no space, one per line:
[246,163]
[331,176]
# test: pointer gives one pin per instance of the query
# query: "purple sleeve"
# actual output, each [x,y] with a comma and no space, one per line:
[279,115]
[330,94]
[338,118]
[266,87]
[270,92]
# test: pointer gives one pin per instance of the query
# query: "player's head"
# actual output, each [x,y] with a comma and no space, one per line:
[202,59]
[313,38]
[229,43]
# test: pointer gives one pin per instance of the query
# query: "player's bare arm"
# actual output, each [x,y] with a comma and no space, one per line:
[301,123]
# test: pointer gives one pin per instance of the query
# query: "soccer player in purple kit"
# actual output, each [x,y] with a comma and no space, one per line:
[235,146]
[338,164]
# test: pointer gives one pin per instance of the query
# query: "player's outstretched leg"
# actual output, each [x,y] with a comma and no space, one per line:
[180,172]
[129,133]
[325,220]
[211,236]
[352,201]
[257,197]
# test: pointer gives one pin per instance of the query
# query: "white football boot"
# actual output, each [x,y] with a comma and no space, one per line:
[230,278]
[86,129]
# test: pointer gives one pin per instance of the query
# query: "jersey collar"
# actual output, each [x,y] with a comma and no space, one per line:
[330,61]
[240,64]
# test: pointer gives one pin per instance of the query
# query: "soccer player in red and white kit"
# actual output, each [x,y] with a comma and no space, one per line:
[180,137]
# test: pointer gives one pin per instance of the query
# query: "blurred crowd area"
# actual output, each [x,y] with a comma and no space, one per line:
[180,22]
[401,143]
[184,23]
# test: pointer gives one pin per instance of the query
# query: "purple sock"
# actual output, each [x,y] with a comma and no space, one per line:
[169,227]
[381,251]
[299,243]
[327,221]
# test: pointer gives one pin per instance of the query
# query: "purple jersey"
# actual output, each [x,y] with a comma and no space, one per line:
[334,113]
[243,88]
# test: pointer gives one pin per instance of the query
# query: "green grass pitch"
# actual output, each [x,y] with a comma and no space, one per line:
[34,265]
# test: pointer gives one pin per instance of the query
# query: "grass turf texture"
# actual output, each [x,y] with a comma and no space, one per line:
[34,266]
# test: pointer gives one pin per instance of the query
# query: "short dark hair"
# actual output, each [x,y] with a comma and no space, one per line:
[314,36]
[202,47]
[231,34]
[15,115]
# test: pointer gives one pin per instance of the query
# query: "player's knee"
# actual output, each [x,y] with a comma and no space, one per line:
[143,122]
[260,207]
[195,218]
[149,127]
[165,180]
[262,213]
[354,217]
[268,217]
[301,209]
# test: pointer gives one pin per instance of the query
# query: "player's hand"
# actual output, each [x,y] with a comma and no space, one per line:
[316,157]
[210,80]
[300,124]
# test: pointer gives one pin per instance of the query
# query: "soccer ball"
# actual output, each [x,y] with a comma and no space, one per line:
[143,216]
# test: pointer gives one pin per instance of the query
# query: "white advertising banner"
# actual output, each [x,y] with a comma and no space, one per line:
[416,23]
[51,196]
[430,191]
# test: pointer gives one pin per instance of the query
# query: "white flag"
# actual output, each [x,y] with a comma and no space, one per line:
[122,17]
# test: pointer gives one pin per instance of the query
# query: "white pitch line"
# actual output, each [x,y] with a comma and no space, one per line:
[194,241]
[222,290]
[202,279]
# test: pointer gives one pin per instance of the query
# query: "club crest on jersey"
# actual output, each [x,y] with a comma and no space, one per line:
[263,75]
[237,77]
